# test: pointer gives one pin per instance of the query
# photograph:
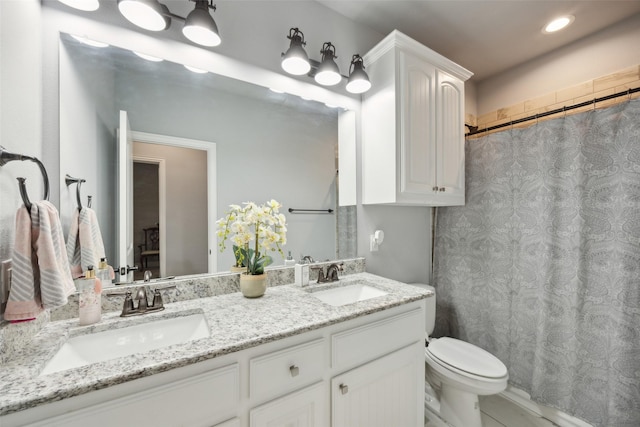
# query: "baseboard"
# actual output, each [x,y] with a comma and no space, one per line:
[523,399]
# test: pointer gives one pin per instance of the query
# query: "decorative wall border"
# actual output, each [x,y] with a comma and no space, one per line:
[628,78]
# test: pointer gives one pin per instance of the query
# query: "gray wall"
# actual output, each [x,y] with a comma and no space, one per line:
[20,109]
[87,133]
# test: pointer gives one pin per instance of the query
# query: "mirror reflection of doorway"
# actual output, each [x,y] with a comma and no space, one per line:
[146,216]
[170,193]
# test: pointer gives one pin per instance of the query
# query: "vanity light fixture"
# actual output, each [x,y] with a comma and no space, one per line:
[558,24]
[86,5]
[326,72]
[296,60]
[199,26]
[148,14]
[358,78]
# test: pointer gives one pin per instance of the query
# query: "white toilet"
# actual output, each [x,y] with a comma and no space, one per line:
[457,373]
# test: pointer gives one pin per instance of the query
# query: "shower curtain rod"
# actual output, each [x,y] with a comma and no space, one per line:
[473,130]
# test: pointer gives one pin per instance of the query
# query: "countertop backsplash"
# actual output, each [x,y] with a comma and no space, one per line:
[14,336]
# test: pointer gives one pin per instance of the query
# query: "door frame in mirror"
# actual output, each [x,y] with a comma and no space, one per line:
[210,148]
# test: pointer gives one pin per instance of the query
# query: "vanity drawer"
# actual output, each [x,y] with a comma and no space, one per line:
[360,345]
[282,371]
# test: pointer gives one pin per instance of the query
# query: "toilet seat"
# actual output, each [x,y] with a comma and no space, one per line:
[466,359]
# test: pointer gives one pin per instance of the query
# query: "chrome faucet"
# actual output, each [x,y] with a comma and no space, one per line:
[307,259]
[331,275]
[332,272]
[147,276]
[129,309]
[320,270]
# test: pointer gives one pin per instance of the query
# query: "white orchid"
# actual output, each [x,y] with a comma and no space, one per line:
[263,225]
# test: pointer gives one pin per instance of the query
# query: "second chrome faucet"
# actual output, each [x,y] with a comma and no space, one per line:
[331,274]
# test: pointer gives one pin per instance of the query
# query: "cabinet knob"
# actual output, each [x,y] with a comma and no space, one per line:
[442,189]
[435,188]
[294,370]
[344,389]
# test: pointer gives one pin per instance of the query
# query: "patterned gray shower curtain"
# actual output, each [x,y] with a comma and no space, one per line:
[541,267]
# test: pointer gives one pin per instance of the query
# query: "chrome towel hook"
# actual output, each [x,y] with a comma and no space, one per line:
[68,179]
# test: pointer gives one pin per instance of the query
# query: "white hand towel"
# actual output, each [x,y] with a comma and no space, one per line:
[41,276]
[84,242]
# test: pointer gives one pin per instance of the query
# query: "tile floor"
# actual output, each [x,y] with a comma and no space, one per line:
[498,412]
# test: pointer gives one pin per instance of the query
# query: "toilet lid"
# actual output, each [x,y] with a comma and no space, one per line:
[467,357]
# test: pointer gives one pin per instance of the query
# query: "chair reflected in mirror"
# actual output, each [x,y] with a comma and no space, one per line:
[150,248]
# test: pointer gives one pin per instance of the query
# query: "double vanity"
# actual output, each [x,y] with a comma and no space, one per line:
[342,354]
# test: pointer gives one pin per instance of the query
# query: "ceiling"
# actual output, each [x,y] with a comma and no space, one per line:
[486,36]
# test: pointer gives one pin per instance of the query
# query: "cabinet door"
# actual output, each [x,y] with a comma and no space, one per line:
[450,138]
[200,400]
[304,408]
[386,392]
[418,130]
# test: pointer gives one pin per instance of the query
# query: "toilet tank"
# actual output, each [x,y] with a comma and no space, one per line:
[430,304]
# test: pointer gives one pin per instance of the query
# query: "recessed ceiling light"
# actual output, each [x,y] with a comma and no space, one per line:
[558,24]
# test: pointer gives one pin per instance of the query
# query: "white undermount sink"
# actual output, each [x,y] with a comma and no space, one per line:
[106,345]
[348,294]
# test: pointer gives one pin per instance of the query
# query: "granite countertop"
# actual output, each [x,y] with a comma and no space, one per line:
[282,312]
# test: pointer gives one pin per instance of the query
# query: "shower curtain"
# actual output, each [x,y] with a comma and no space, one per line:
[541,267]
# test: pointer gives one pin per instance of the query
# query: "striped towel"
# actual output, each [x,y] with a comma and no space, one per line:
[84,243]
[41,277]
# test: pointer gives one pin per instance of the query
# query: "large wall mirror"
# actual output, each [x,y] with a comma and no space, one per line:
[201,137]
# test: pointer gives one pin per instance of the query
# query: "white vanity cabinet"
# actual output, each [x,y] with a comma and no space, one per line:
[384,383]
[294,381]
[413,126]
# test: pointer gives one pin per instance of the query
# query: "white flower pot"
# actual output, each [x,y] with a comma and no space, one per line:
[253,286]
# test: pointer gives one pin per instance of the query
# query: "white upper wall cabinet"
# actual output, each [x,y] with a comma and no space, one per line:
[413,126]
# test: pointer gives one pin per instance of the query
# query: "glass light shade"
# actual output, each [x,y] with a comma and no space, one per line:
[358,80]
[148,57]
[328,73]
[195,69]
[200,28]
[296,60]
[86,5]
[147,14]
[89,42]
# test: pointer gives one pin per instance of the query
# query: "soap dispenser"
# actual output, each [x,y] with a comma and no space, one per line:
[104,273]
[289,261]
[90,288]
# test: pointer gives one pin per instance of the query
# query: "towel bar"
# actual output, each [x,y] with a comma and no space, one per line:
[6,157]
